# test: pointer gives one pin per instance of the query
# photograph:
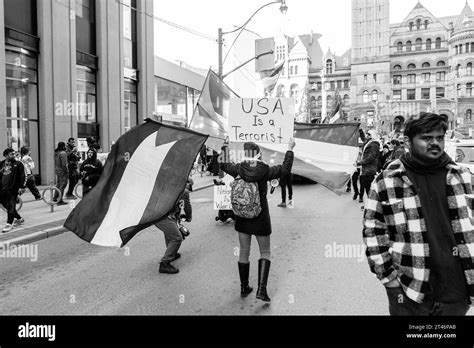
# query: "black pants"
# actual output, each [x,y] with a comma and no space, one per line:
[61,185]
[31,184]
[8,200]
[355,179]
[285,181]
[365,182]
[400,304]
[73,180]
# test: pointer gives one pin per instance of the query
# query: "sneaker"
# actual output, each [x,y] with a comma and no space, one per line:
[176,256]
[62,203]
[19,221]
[7,228]
[290,203]
[282,205]
[361,200]
[355,196]
[166,267]
[71,197]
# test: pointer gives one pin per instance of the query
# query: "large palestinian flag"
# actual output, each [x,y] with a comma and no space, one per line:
[144,175]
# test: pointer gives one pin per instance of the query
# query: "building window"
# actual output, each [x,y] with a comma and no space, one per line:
[374,77]
[296,69]
[439,92]
[426,24]
[320,86]
[397,94]
[411,66]
[458,70]
[425,93]
[438,42]
[467,48]
[469,69]
[171,100]
[365,96]
[294,91]
[456,50]
[411,94]
[130,34]
[291,70]
[333,85]
[418,24]
[329,101]
[86,94]
[426,77]
[408,46]
[280,91]
[428,44]
[469,89]
[472,46]
[346,99]
[375,95]
[397,67]
[441,63]
[320,101]
[339,84]
[418,44]
[411,26]
[130,107]
[458,90]
[411,78]
[346,83]
[365,79]
[440,76]
[425,65]
[399,47]
[460,49]
[468,115]
[280,52]
[397,79]
[329,66]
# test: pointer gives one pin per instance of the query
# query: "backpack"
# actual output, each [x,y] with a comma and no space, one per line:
[245,198]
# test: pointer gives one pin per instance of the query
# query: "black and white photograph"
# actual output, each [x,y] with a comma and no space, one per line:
[289,163]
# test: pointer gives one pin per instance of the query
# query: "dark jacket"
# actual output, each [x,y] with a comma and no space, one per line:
[60,162]
[261,173]
[18,178]
[91,170]
[370,158]
[73,157]
[397,152]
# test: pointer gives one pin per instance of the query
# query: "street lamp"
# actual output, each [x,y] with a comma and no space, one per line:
[220,34]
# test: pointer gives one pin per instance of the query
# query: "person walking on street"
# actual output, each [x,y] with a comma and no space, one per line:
[73,158]
[369,163]
[91,170]
[29,165]
[62,171]
[418,226]
[286,181]
[253,174]
[12,184]
[173,237]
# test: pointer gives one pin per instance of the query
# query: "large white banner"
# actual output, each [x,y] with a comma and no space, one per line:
[264,120]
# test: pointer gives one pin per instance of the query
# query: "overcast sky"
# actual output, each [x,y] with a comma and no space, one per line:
[331,19]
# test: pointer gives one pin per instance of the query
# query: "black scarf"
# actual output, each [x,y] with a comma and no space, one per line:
[425,167]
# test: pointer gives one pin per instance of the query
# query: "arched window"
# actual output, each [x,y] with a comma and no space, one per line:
[399,47]
[418,24]
[438,42]
[458,70]
[428,44]
[294,91]
[291,70]
[281,91]
[456,51]
[469,69]
[418,44]
[346,99]
[468,115]
[472,46]
[320,86]
[397,67]
[425,65]
[441,63]
[320,101]
[329,66]
[411,66]
[313,101]
[328,101]
[408,46]
[375,95]
[426,24]
[365,96]
[411,26]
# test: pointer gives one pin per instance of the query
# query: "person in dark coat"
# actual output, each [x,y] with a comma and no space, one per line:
[369,163]
[253,169]
[91,170]
[62,171]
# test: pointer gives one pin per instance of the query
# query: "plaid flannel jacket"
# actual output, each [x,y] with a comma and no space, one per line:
[395,231]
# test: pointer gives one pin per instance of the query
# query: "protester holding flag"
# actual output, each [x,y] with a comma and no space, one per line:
[91,170]
[252,169]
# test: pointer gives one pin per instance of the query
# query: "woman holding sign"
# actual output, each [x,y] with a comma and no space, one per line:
[250,205]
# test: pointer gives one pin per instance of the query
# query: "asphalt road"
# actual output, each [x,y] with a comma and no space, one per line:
[72,277]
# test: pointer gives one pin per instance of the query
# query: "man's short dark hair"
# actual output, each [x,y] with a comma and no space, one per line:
[24,150]
[70,139]
[7,151]
[425,122]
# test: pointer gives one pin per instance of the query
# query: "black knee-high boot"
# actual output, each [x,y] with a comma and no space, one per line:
[244,269]
[263,270]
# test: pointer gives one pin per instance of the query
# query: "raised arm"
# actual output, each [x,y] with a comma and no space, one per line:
[278,171]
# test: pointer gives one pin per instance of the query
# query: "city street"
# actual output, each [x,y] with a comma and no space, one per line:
[72,277]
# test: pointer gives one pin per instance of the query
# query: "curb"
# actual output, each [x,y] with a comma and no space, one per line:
[54,231]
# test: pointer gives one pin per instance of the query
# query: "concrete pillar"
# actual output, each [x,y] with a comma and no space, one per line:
[145,56]
[3,91]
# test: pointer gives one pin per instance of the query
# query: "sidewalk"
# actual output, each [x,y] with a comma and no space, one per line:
[41,223]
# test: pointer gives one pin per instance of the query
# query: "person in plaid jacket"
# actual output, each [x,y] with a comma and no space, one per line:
[419,227]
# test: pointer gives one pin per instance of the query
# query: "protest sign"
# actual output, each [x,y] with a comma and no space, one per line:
[264,120]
